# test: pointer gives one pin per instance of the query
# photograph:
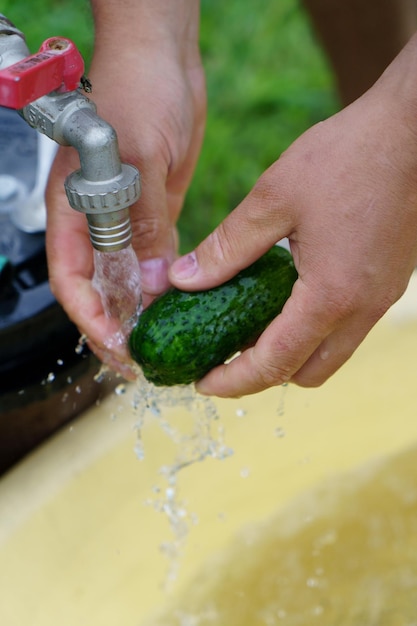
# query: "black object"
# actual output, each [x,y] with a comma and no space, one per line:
[46,378]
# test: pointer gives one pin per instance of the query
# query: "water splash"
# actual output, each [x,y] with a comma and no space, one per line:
[205,439]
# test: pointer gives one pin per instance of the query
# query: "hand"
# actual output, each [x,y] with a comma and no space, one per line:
[153,93]
[345,193]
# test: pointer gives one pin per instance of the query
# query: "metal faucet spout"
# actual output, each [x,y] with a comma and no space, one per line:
[103,188]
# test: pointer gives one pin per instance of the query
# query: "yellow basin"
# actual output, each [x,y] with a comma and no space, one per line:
[310,520]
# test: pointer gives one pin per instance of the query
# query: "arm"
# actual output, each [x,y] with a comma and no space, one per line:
[345,193]
[148,83]
[361,38]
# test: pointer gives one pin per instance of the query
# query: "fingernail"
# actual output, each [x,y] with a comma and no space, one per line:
[154,275]
[200,388]
[185,267]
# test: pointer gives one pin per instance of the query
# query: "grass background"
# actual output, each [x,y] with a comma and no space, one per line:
[267,81]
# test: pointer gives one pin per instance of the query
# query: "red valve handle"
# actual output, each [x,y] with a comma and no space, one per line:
[58,66]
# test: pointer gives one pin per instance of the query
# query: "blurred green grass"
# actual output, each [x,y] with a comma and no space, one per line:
[267,81]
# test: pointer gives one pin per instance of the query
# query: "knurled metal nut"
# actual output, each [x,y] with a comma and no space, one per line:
[83,195]
[108,201]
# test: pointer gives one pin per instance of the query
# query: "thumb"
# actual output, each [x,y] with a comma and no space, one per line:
[258,222]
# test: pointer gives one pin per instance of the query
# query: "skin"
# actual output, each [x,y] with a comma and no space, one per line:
[344,193]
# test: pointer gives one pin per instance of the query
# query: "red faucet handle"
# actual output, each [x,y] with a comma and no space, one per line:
[58,66]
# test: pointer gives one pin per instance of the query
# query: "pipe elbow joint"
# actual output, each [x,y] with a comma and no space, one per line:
[96,137]
[100,136]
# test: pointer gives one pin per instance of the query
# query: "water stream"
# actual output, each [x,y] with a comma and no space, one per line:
[117,280]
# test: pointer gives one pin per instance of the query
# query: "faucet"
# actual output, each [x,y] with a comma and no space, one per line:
[46,90]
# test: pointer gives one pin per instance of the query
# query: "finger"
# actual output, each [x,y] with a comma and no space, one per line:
[125,369]
[335,350]
[251,229]
[306,344]
[280,352]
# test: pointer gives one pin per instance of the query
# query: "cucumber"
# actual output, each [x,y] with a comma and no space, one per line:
[182,335]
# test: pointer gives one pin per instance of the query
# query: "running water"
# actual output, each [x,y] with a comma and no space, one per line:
[201,438]
[117,280]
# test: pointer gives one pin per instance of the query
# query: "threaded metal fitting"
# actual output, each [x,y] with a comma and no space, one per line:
[110,232]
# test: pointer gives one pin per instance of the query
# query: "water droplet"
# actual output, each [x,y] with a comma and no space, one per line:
[100,376]
[50,378]
[279,432]
[327,539]
[81,343]
[170,493]
[317,610]
[78,389]
[312,582]
[60,362]
[120,389]
[241,412]
[268,618]
[244,472]
[139,451]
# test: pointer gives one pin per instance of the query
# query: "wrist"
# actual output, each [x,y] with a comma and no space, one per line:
[398,86]
[169,26]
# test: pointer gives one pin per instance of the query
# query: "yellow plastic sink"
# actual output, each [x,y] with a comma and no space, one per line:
[311,520]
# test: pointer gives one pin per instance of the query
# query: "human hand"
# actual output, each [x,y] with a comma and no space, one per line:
[151,90]
[345,194]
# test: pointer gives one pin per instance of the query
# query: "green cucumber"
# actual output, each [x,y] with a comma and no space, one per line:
[182,335]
